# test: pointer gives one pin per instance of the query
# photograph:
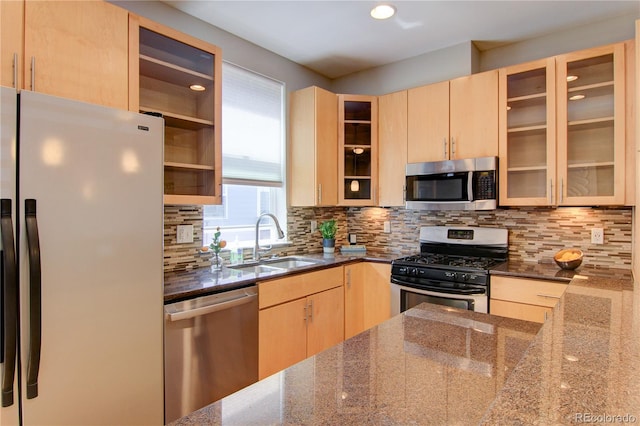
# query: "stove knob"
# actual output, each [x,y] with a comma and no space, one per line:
[464,277]
[413,271]
[451,275]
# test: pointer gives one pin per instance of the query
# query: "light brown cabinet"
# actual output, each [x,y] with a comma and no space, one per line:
[562,130]
[75,50]
[524,298]
[179,77]
[392,148]
[299,316]
[527,139]
[313,120]
[591,126]
[11,43]
[367,296]
[357,150]
[454,119]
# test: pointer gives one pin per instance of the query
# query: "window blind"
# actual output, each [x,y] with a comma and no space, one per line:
[252,128]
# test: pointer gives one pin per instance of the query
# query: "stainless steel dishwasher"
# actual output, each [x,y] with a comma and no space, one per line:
[211,349]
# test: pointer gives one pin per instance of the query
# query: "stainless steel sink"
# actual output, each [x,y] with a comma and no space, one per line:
[255,268]
[290,262]
[274,265]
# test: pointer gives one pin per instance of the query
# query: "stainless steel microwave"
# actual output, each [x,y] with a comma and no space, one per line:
[470,184]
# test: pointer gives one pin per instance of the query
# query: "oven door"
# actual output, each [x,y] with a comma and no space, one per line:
[404,297]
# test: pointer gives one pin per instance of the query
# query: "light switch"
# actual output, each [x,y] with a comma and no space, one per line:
[185,234]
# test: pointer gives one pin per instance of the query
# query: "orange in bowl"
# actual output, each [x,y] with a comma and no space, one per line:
[568,258]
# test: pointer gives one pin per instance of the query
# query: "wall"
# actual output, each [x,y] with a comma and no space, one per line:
[464,59]
[578,38]
[535,234]
[444,64]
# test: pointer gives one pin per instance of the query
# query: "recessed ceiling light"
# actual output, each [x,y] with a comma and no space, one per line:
[197,88]
[576,97]
[572,77]
[383,11]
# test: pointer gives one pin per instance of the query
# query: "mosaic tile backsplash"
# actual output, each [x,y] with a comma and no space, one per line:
[535,234]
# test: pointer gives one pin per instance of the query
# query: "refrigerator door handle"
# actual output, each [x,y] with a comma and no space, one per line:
[9,301]
[35,298]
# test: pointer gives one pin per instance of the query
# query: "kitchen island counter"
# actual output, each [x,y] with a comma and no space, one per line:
[439,365]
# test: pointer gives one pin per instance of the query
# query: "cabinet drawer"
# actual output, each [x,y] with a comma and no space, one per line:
[518,310]
[296,286]
[529,291]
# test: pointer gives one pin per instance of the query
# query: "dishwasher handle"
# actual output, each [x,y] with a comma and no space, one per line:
[180,315]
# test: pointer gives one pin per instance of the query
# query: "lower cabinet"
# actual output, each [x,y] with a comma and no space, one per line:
[299,316]
[524,298]
[367,296]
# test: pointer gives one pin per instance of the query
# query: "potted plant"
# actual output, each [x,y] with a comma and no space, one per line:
[328,230]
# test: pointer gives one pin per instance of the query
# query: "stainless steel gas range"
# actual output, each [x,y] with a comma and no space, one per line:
[452,268]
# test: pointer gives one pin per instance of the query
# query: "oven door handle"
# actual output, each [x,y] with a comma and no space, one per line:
[436,289]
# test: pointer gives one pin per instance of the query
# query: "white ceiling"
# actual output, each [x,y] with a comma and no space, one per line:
[336,38]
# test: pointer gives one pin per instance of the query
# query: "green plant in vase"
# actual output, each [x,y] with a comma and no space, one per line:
[328,230]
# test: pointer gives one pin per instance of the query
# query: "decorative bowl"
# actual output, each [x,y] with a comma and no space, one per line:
[568,258]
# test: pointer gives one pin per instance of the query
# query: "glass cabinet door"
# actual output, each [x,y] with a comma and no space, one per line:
[591,111]
[527,133]
[357,139]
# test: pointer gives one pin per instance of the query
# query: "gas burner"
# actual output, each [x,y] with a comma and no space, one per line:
[435,259]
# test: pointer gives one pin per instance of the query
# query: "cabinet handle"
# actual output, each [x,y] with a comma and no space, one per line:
[453,148]
[311,311]
[548,296]
[348,278]
[404,194]
[305,312]
[546,315]
[15,70]
[33,73]
[561,190]
[444,148]
[319,193]
[551,191]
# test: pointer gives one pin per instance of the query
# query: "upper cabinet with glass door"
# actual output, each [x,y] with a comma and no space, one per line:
[357,150]
[179,77]
[591,126]
[527,138]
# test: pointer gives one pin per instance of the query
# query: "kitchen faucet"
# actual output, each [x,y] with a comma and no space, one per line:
[257,248]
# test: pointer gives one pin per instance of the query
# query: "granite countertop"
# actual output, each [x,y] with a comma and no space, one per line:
[199,282]
[551,271]
[431,363]
[440,365]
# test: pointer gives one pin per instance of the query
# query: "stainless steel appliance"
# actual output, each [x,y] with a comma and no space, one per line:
[452,268]
[211,349]
[82,288]
[469,184]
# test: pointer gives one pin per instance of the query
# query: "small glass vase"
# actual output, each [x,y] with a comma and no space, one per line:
[216,262]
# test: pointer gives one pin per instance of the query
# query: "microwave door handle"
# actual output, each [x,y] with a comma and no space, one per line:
[470,186]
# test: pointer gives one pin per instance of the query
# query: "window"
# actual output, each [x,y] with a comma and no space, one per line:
[253,157]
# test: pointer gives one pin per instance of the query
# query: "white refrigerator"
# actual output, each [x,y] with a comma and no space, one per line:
[82,276]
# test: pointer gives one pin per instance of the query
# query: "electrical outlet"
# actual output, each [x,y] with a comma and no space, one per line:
[387,227]
[597,236]
[314,226]
[184,234]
